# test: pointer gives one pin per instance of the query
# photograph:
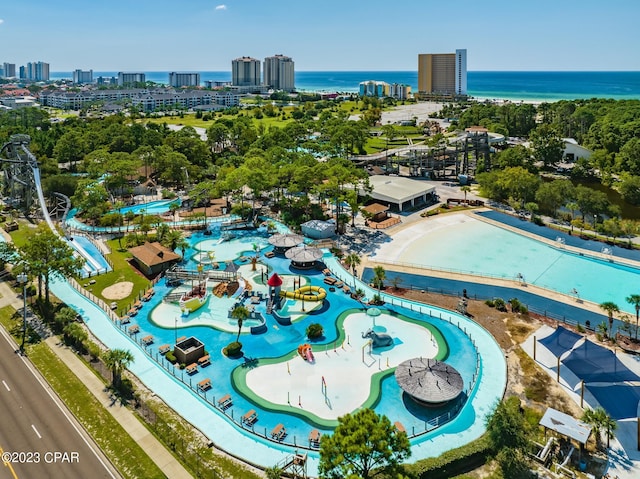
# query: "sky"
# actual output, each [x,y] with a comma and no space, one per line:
[321,35]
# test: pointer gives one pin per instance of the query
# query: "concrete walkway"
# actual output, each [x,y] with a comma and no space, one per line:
[127,419]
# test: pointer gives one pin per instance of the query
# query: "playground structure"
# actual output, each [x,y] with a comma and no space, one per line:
[378,340]
[462,155]
[304,350]
[306,293]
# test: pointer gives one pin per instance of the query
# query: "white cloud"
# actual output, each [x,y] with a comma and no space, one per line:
[1,21]
[221,7]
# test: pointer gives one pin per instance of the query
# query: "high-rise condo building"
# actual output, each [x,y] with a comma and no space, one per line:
[125,78]
[82,76]
[245,71]
[443,73]
[279,73]
[177,80]
[9,70]
[37,71]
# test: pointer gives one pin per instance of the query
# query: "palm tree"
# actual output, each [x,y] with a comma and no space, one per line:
[610,308]
[607,423]
[634,299]
[465,189]
[379,275]
[600,420]
[117,360]
[240,313]
[352,261]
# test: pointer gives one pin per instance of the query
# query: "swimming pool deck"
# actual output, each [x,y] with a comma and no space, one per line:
[411,230]
[319,386]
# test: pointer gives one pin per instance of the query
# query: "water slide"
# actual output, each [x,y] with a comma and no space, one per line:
[306,293]
[89,260]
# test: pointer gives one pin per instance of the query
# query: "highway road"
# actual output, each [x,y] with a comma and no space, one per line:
[39,438]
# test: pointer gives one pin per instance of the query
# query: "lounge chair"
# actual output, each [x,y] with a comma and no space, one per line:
[399,426]
[279,432]
[134,329]
[314,438]
[180,339]
[329,280]
[147,340]
[204,384]
[250,417]
[225,401]
[164,349]
[192,368]
[125,319]
[204,360]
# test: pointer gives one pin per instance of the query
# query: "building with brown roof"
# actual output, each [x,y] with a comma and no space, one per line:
[153,258]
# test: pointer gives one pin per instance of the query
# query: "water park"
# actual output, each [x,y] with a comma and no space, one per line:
[262,338]
[286,387]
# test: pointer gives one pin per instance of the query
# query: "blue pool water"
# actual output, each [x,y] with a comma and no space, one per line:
[152,208]
[178,389]
[459,243]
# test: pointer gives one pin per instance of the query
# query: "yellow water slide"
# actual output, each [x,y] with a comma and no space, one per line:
[306,293]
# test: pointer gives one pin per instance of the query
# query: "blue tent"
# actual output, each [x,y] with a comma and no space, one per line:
[560,341]
[620,401]
[594,363]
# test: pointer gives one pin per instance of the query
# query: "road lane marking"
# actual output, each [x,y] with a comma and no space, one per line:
[8,464]
[6,385]
[34,428]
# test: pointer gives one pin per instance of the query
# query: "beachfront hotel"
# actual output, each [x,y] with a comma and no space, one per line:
[125,78]
[178,79]
[279,73]
[443,73]
[245,71]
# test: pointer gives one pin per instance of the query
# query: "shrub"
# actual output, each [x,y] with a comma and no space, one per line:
[170,357]
[490,303]
[183,365]
[453,462]
[499,304]
[233,349]
[314,331]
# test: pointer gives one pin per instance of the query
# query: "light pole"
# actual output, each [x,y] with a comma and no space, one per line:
[22,279]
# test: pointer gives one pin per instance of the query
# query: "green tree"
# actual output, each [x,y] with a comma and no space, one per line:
[47,254]
[465,189]
[63,317]
[547,145]
[610,308]
[74,334]
[117,360]
[629,189]
[362,442]
[554,194]
[601,421]
[379,275]
[634,300]
[506,426]
[240,314]
[352,260]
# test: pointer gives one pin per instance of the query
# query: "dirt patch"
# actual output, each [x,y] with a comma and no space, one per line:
[118,290]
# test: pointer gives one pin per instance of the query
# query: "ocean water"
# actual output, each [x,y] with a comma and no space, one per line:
[532,86]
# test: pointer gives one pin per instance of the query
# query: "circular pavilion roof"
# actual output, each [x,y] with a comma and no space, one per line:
[302,254]
[285,240]
[428,381]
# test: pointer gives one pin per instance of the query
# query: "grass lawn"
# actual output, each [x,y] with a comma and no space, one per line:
[122,271]
[121,449]
[191,120]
